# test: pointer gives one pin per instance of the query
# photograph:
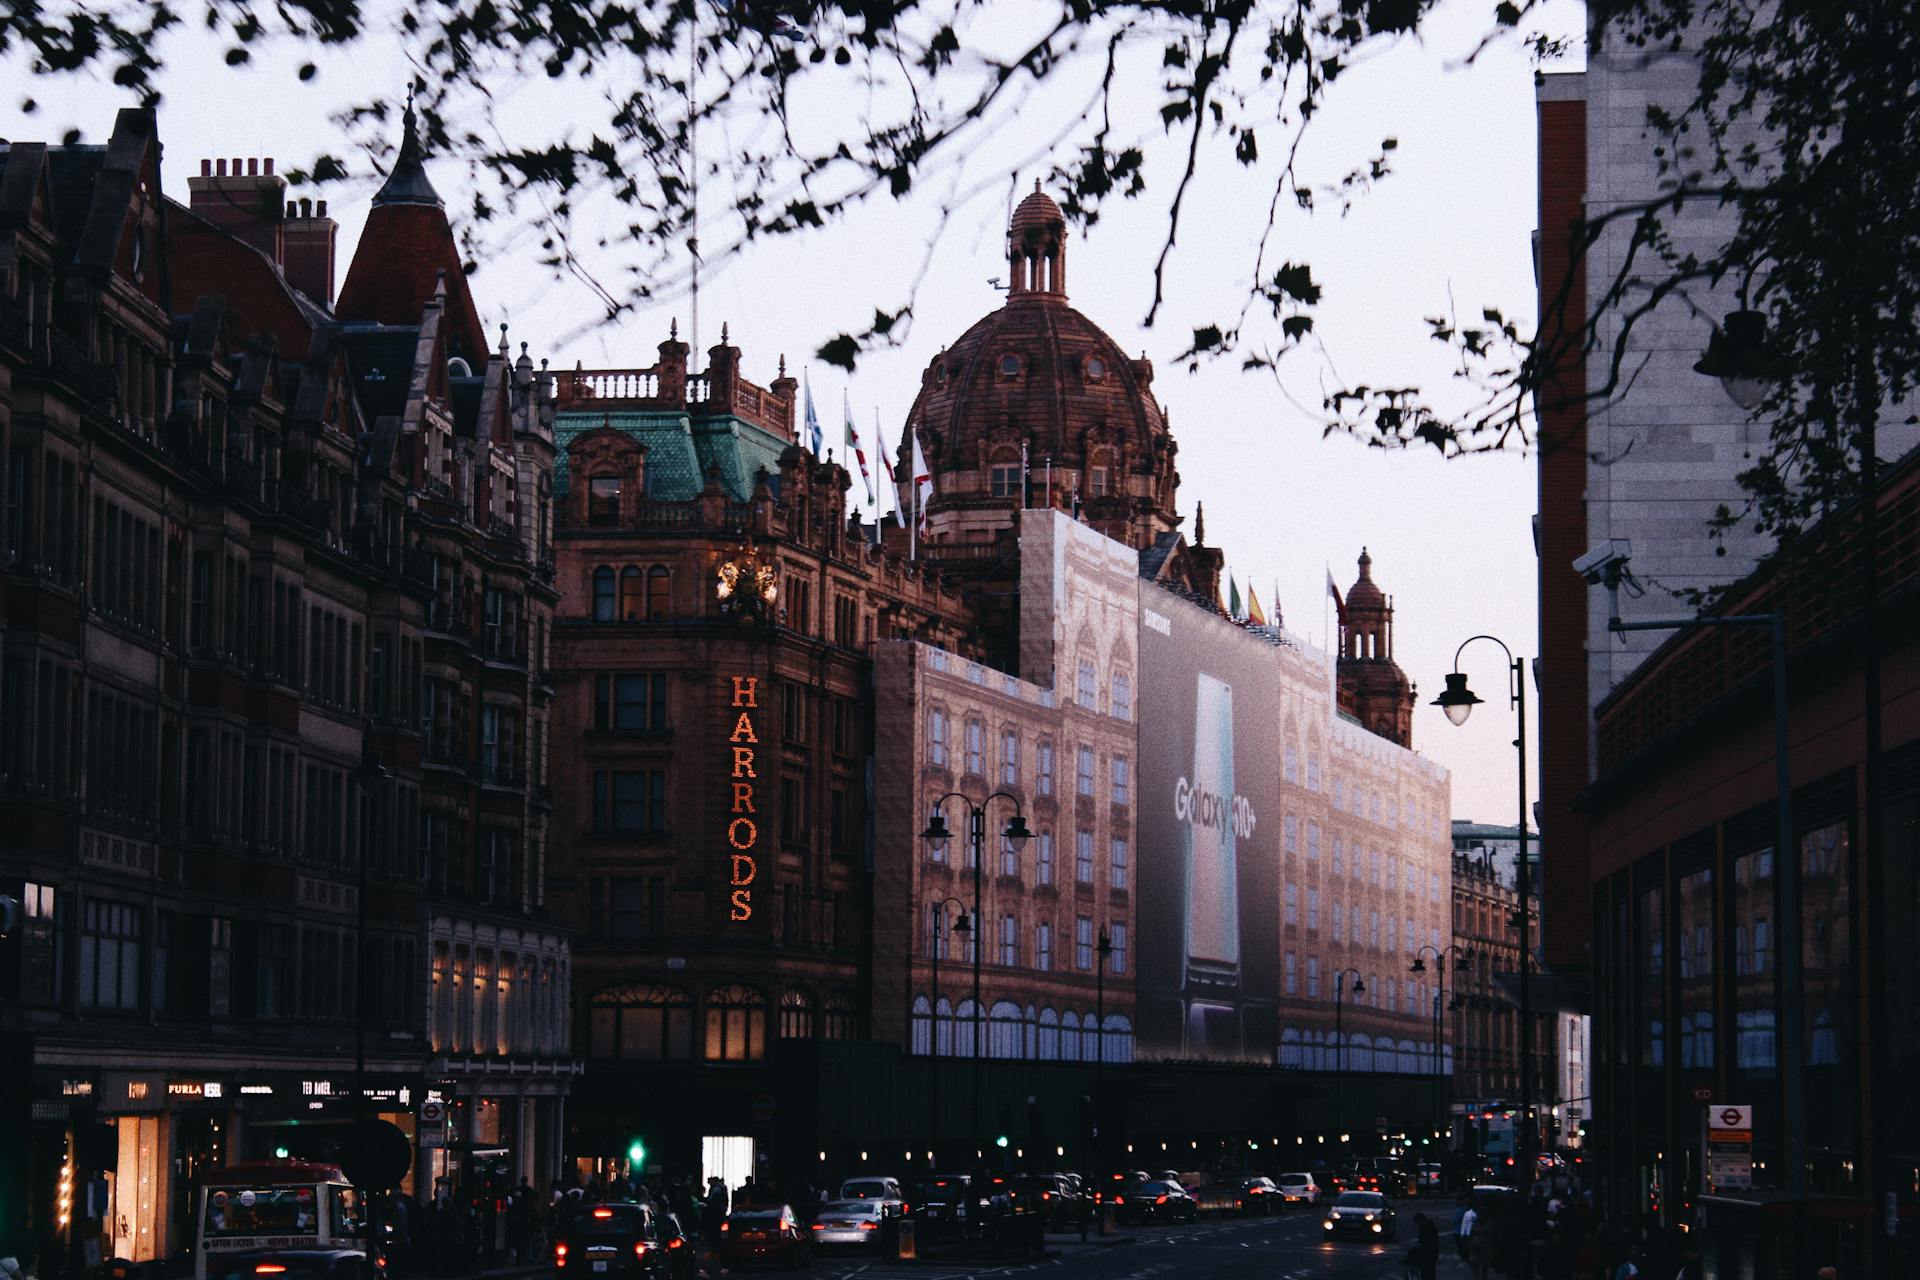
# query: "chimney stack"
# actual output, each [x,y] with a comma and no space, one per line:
[242,200]
[309,236]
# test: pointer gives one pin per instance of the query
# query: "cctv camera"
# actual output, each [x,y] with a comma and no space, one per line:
[1607,560]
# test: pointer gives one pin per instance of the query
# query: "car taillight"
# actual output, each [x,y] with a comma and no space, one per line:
[639,1248]
[268,1269]
[816,1226]
[1160,1199]
[675,1243]
[869,1226]
[1046,1195]
[726,1226]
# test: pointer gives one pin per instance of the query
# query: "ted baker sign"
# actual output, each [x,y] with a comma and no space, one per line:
[743,832]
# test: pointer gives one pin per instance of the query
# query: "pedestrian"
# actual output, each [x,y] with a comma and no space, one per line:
[1463,1233]
[1424,1257]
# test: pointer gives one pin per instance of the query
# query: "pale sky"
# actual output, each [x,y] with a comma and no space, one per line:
[1450,227]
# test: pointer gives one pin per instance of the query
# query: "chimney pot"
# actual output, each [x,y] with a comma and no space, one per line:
[238,169]
[206,168]
[269,168]
[222,168]
[253,166]
[306,207]
[320,209]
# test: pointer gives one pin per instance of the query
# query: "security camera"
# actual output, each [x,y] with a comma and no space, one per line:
[1603,565]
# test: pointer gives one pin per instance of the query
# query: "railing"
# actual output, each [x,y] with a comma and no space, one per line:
[610,384]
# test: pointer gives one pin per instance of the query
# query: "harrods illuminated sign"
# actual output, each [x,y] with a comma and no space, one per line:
[743,832]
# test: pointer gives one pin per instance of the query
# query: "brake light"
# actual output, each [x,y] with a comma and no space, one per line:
[1046,1195]
[268,1269]
[639,1248]
[869,1226]
[1119,1199]
[603,1213]
[559,1255]
[675,1243]
[726,1226]
[1161,1199]
[816,1226]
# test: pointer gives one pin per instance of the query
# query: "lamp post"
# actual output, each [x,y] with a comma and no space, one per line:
[963,927]
[1440,986]
[1458,702]
[937,835]
[370,774]
[1340,1038]
[1102,948]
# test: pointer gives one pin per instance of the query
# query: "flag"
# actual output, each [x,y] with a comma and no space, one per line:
[853,445]
[1254,615]
[1233,599]
[893,484]
[815,438]
[1334,591]
[922,485]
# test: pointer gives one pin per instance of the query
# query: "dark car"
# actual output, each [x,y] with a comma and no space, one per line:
[618,1239]
[289,1264]
[1060,1203]
[1109,1189]
[1262,1195]
[1360,1213]
[948,1206]
[771,1236]
[1156,1202]
[1385,1175]
[683,1252]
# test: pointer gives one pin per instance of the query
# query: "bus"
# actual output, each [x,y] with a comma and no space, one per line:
[273,1206]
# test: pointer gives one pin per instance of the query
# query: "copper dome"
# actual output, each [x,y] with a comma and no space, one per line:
[1037,211]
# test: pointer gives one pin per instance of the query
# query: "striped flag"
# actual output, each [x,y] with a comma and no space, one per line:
[853,446]
[922,484]
[816,440]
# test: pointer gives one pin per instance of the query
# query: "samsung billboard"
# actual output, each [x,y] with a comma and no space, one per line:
[1209,832]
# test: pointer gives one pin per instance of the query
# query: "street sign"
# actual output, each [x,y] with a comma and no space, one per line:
[1727,1118]
[433,1123]
[1729,1147]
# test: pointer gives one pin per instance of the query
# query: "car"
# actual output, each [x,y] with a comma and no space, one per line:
[948,1206]
[683,1251]
[1110,1188]
[1360,1213]
[289,1264]
[750,1236]
[854,1223]
[1383,1174]
[1429,1179]
[1262,1195]
[1299,1188]
[615,1239]
[1060,1203]
[1156,1201]
[885,1190]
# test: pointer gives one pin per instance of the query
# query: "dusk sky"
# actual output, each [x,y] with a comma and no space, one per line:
[1450,227]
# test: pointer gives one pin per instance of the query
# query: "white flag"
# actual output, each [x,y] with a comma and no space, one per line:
[922,484]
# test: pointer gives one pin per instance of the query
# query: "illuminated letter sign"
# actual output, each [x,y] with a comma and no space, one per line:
[743,833]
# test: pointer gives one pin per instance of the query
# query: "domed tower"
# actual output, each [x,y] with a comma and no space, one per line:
[1036,406]
[1373,688]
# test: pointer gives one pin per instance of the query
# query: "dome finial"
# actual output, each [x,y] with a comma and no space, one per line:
[673,329]
[1366,566]
[1199,524]
[407,181]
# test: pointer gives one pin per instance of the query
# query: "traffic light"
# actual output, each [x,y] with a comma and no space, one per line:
[1001,1142]
[637,1153]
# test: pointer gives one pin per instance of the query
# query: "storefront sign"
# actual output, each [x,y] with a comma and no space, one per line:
[132,1093]
[76,1088]
[257,1090]
[743,831]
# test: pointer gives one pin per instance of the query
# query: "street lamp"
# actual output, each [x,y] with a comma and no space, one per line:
[1738,355]
[370,774]
[964,927]
[936,835]
[1458,702]
[1439,990]
[1340,1035]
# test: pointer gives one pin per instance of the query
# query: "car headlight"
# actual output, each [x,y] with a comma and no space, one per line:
[1328,1224]
[1376,1226]
[1369,1217]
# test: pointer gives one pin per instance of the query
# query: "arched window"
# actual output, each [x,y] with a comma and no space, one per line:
[1049,1042]
[641,1022]
[1291,1058]
[796,1014]
[630,601]
[736,1024]
[603,594]
[922,1025]
[1070,1036]
[843,1016]
[603,500]
[1119,1038]
[943,1027]
[658,581]
[1004,1030]
[964,1030]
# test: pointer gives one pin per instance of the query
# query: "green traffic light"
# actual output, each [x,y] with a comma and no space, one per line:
[637,1153]
[1000,1141]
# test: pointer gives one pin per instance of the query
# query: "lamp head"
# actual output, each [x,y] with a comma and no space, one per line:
[936,833]
[1456,699]
[1739,356]
[964,924]
[1419,965]
[1017,830]
[1359,985]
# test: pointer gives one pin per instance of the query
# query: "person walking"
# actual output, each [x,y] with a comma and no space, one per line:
[1463,1233]
[1424,1257]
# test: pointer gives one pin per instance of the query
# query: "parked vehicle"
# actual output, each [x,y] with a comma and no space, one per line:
[1062,1204]
[1114,1185]
[1429,1179]
[1157,1201]
[949,1207]
[851,1223]
[683,1253]
[1360,1213]
[884,1190]
[1299,1188]
[617,1239]
[290,1264]
[1262,1195]
[1217,1197]
[756,1236]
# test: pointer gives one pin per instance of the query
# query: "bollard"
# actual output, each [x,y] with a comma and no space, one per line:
[906,1249]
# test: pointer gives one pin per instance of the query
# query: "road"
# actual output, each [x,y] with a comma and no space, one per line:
[1288,1247]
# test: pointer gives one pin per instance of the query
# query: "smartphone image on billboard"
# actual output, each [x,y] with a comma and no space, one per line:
[1212,959]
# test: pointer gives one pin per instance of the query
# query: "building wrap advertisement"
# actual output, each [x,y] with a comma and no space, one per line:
[1208,823]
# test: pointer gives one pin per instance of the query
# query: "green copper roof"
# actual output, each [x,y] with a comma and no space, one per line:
[680,449]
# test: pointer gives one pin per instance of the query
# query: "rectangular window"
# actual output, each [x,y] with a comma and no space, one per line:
[200,602]
[1117,863]
[1292,974]
[1122,697]
[603,500]
[1085,772]
[1005,480]
[1339,856]
[1009,758]
[1293,903]
[1009,941]
[1045,785]
[937,737]
[1313,841]
[1122,781]
[1044,859]
[976,748]
[1097,482]
[1290,834]
[1083,857]
[630,802]
[1695,902]
[1117,940]
[1313,908]
[1339,923]
[1083,943]
[1009,857]
[1313,978]
[1043,947]
[110,938]
[630,703]
[1085,686]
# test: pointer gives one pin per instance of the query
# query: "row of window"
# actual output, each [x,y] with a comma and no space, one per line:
[1302,978]
[1323,1051]
[487,1002]
[1008,1031]
[631,594]
[1085,867]
[655,1023]
[1346,926]
[946,943]
[973,760]
[1369,866]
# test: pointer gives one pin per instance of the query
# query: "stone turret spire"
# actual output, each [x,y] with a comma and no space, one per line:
[407,181]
